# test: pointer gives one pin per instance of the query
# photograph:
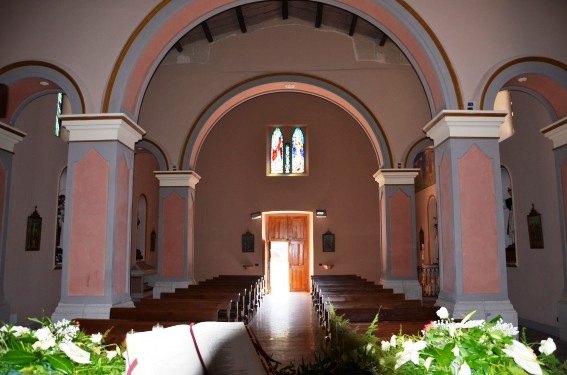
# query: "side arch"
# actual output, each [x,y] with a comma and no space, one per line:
[284,83]
[24,81]
[543,78]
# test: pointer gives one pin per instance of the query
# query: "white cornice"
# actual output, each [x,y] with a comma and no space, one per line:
[464,124]
[557,132]
[102,127]
[177,178]
[396,176]
[9,136]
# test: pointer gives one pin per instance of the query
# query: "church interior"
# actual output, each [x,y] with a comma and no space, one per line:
[150,145]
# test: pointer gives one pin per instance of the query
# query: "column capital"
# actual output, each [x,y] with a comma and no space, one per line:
[9,136]
[557,132]
[177,178]
[398,176]
[464,124]
[101,127]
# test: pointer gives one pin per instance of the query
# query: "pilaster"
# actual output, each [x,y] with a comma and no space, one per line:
[9,137]
[399,248]
[96,236]
[176,253]
[472,257]
[557,133]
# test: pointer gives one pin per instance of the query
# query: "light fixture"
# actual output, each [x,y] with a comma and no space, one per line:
[522,79]
[320,212]
[255,215]
[44,83]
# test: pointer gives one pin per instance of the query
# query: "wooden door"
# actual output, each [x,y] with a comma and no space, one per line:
[293,228]
[298,271]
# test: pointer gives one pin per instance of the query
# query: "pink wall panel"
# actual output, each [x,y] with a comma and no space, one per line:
[479,223]
[448,250]
[400,231]
[88,228]
[173,230]
[121,227]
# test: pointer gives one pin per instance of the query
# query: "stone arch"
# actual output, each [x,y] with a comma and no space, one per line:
[25,78]
[156,151]
[543,78]
[284,83]
[159,31]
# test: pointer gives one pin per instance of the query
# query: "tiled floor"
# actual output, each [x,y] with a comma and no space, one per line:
[288,329]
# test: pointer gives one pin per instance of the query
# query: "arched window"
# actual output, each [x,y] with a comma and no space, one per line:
[277,158]
[298,152]
[287,158]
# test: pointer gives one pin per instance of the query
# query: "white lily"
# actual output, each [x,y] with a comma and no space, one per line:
[524,357]
[74,352]
[410,352]
[443,313]
[548,346]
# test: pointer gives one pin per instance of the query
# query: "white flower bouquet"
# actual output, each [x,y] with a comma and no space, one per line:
[57,348]
[470,347]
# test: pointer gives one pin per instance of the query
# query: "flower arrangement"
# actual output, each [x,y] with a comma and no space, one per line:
[57,348]
[470,347]
[443,347]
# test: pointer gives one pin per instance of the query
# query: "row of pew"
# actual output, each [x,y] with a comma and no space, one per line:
[222,298]
[359,301]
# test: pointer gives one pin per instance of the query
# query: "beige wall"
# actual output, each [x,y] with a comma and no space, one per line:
[32,285]
[535,285]
[234,184]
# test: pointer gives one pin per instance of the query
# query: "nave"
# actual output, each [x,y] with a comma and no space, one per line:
[288,329]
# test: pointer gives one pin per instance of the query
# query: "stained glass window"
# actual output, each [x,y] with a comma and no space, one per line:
[58,112]
[277,159]
[287,158]
[298,152]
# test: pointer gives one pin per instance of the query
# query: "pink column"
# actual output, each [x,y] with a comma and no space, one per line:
[557,133]
[175,230]
[8,138]
[472,258]
[96,241]
[397,231]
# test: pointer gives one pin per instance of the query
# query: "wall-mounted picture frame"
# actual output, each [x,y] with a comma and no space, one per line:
[33,231]
[328,242]
[535,229]
[248,242]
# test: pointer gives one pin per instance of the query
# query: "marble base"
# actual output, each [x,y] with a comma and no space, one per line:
[410,288]
[85,310]
[486,310]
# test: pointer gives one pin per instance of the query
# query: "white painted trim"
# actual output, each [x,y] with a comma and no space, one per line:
[102,127]
[396,176]
[557,132]
[9,136]
[464,124]
[178,178]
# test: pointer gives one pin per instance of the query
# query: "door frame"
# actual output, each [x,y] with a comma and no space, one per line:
[308,243]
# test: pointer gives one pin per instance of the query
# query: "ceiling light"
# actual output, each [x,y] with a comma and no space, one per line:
[44,83]
[522,79]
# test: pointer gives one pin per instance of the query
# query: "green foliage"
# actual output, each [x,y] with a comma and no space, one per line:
[57,348]
[443,347]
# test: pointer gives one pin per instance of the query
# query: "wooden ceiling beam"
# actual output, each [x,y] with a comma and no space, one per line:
[353,22]
[240,17]
[207,31]
[285,10]
[319,16]
[383,40]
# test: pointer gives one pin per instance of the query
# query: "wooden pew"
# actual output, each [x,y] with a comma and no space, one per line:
[117,329]
[228,309]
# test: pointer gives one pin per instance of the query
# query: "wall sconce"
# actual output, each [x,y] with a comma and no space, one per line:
[255,215]
[320,213]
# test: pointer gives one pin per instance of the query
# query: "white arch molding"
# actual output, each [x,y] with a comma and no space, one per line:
[287,83]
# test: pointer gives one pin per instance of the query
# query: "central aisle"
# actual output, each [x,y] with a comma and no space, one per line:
[287,327]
